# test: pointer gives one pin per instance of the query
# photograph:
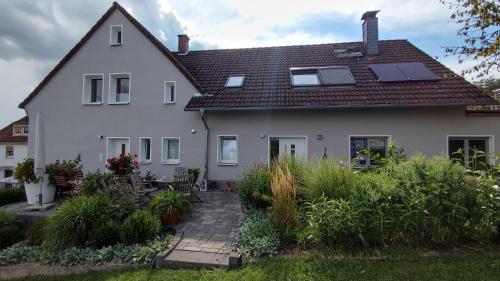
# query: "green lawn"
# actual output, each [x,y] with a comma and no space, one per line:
[333,266]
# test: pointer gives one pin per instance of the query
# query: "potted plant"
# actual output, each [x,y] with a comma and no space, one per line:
[25,173]
[124,165]
[170,206]
[66,168]
[195,172]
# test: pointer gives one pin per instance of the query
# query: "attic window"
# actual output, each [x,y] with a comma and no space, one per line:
[305,77]
[115,35]
[235,81]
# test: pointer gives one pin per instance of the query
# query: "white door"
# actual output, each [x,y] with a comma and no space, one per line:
[118,146]
[290,146]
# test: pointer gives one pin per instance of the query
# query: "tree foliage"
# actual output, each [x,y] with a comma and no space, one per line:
[479,22]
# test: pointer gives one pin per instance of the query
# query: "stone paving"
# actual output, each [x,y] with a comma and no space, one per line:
[212,225]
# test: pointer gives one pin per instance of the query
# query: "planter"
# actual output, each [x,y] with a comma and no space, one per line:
[171,218]
[33,189]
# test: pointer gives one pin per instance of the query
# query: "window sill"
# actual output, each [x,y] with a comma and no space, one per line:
[145,162]
[92,103]
[118,103]
[227,163]
[171,163]
[169,102]
[115,44]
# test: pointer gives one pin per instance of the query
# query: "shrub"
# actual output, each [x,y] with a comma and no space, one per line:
[285,189]
[122,197]
[72,224]
[295,165]
[257,235]
[124,165]
[10,229]
[139,227]
[95,182]
[36,232]
[25,172]
[12,195]
[164,203]
[67,169]
[255,188]
[323,177]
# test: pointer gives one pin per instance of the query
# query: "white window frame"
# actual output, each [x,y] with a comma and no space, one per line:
[165,92]
[219,155]
[234,76]
[111,43]
[145,161]
[112,76]
[112,138]
[170,161]
[21,134]
[6,151]
[92,75]
[389,139]
[491,145]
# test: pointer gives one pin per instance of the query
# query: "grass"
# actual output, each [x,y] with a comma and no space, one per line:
[394,265]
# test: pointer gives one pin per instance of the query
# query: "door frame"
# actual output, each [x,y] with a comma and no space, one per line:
[286,136]
[111,138]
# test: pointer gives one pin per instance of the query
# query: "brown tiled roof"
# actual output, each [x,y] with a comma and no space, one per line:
[267,83]
[6,134]
[96,26]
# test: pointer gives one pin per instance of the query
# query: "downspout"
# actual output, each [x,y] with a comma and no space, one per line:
[203,114]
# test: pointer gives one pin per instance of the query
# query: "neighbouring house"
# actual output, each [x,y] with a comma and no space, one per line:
[13,146]
[121,90]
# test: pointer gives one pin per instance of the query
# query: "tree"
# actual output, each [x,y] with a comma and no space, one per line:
[489,84]
[479,22]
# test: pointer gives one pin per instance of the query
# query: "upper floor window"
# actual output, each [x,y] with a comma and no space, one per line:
[20,130]
[9,151]
[92,88]
[235,81]
[169,92]
[367,151]
[115,35]
[119,88]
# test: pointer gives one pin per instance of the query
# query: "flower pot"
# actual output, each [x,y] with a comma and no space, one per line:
[33,189]
[172,218]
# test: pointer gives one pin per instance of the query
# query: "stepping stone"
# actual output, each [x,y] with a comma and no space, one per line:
[180,258]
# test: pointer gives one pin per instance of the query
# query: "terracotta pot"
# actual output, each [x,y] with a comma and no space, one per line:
[173,218]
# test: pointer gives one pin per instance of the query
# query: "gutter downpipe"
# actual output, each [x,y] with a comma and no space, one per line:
[203,114]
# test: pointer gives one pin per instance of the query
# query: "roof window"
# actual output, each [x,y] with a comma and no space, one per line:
[235,81]
[327,76]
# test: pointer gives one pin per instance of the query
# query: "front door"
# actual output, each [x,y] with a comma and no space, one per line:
[289,146]
[118,146]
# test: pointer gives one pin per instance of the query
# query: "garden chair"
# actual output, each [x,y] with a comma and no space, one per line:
[63,187]
[181,171]
[185,185]
[145,188]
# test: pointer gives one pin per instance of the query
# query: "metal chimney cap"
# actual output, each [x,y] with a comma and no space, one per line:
[369,14]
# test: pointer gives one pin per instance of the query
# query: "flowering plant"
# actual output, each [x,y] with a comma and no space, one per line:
[124,165]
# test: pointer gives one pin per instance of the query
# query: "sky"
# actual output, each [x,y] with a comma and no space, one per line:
[36,34]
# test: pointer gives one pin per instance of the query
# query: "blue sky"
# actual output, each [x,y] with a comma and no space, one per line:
[36,34]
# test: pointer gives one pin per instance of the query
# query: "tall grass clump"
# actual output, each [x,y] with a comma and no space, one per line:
[285,189]
[295,165]
[325,178]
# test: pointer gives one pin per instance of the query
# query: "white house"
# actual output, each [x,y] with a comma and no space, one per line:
[13,146]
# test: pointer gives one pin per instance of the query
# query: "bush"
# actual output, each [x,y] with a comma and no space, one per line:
[285,189]
[10,229]
[139,227]
[122,197]
[255,188]
[12,195]
[67,169]
[36,232]
[95,182]
[165,202]
[25,172]
[323,177]
[257,235]
[296,166]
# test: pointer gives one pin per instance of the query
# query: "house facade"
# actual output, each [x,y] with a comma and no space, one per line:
[121,90]
[13,146]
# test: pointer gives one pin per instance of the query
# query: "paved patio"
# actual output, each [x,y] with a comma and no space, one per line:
[209,232]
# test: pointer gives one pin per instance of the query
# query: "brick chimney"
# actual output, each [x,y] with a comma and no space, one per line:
[370,32]
[183,47]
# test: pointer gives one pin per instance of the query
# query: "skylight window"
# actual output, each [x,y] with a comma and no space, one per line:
[235,81]
[305,77]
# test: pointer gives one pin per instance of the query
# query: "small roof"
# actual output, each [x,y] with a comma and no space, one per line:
[6,134]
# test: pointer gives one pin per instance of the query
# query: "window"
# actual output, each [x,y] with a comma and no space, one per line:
[8,173]
[366,151]
[304,77]
[170,151]
[472,151]
[169,92]
[145,150]
[115,35]
[119,88]
[92,88]
[117,146]
[20,130]
[9,151]
[235,81]
[227,150]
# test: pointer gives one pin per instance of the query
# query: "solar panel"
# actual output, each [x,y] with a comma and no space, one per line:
[417,71]
[336,76]
[413,71]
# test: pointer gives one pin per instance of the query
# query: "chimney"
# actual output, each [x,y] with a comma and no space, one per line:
[183,47]
[370,32]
